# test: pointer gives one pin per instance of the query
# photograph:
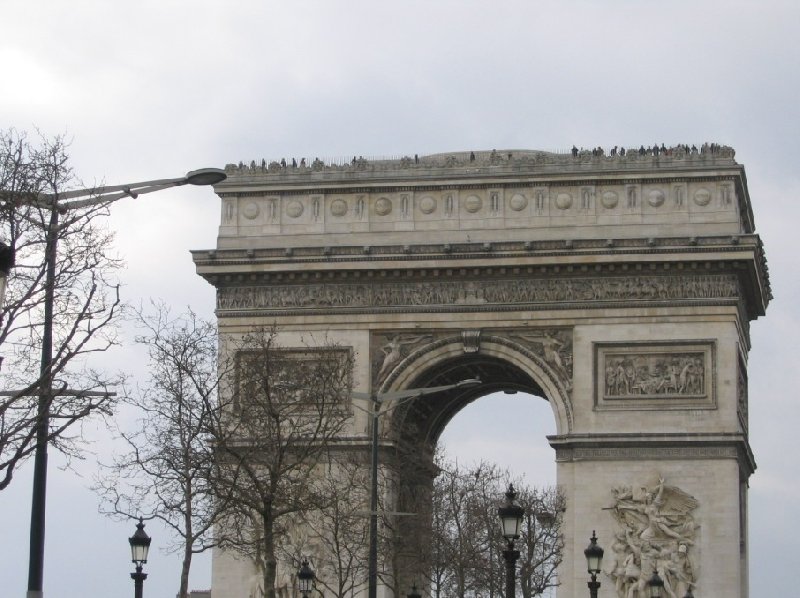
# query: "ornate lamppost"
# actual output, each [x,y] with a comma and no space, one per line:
[594,561]
[305,579]
[655,585]
[140,546]
[511,520]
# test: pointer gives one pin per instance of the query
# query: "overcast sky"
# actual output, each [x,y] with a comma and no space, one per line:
[152,89]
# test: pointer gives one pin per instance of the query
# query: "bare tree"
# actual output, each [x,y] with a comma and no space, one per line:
[466,497]
[165,471]
[61,303]
[467,541]
[541,543]
[335,536]
[276,425]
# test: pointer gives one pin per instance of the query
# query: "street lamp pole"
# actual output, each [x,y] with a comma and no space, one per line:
[305,579]
[140,547]
[376,400]
[511,515]
[594,562]
[56,204]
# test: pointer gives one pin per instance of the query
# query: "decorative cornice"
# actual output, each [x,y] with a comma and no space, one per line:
[491,250]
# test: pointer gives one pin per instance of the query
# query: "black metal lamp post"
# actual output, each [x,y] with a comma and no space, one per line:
[376,400]
[655,585]
[140,546]
[305,579]
[511,520]
[688,594]
[594,561]
[57,205]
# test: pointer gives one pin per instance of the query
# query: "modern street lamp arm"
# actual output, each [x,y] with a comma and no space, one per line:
[107,194]
[413,392]
[376,400]
[53,203]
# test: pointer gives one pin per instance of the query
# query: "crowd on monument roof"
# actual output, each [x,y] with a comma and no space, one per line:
[655,150]
[492,157]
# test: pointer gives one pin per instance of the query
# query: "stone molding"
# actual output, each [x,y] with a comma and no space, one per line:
[646,447]
[497,249]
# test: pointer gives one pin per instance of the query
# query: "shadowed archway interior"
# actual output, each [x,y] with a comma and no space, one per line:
[421,421]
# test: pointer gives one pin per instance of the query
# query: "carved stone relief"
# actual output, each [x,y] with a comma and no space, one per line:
[473,204]
[228,210]
[609,199]
[518,202]
[658,532]
[427,205]
[450,294]
[541,199]
[741,396]
[654,374]
[631,194]
[702,197]
[555,347]
[659,375]
[383,206]
[472,340]
[586,198]
[294,209]
[656,198]
[250,210]
[338,207]
[563,201]
[392,349]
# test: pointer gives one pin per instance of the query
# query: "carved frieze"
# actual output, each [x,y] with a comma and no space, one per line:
[658,533]
[520,291]
[660,375]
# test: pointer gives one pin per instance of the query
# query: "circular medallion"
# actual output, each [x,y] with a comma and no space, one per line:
[250,211]
[427,205]
[609,199]
[338,207]
[656,198]
[383,206]
[473,203]
[518,202]
[702,197]
[563,201]
[294,209]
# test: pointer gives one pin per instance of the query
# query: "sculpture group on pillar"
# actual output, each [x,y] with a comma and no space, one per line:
[658,535]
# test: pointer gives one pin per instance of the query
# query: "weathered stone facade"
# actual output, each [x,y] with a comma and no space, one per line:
[619,288]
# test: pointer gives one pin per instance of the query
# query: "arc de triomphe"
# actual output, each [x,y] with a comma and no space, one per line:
[620,288]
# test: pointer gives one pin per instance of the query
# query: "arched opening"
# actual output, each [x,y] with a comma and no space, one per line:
[509,429]
[510,411]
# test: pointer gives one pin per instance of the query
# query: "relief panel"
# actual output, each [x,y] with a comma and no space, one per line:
[655,375]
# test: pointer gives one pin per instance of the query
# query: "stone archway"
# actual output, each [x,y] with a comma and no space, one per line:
[620,288]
